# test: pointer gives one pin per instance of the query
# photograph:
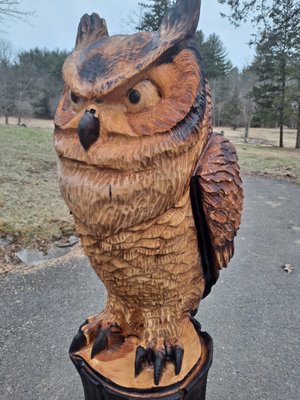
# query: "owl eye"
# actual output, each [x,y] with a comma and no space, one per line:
[74,98]
[142,97]
[134,96]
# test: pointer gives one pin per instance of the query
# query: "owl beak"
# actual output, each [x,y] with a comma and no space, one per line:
[88,129]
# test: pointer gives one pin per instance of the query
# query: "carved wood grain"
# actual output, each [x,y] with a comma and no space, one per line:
[118,364]
[129,188]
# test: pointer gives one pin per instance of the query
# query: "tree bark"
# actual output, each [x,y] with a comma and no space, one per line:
[281,136]
[298,129]
[246,135]
[283,97]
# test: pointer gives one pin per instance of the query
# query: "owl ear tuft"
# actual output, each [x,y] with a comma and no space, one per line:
[91,27]
[181,21]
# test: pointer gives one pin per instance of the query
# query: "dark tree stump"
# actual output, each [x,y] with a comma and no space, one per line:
[192,387]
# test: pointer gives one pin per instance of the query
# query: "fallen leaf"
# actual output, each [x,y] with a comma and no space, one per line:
[288,268]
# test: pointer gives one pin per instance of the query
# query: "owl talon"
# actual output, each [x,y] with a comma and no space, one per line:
[159,359]
[104,337]
[159,364]
[178,357]
[101,343]
[140,357]
[78,342]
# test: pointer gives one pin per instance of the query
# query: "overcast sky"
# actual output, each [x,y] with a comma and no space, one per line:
[55,24]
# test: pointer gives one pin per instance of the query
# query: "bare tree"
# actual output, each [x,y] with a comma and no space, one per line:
[6,79]
[16,82]
[10,9]
[24,81]
[7,93]
[7,53]
[246,84]
[219,91]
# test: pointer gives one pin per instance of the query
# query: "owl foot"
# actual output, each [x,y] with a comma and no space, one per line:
[159,356]
[105,337]
[101,331]
[79,340]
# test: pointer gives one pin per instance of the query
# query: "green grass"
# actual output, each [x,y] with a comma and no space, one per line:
[269,160]
[31,206]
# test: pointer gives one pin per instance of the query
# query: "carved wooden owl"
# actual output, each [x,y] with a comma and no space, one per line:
[155,195]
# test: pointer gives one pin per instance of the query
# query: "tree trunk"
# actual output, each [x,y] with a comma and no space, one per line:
[19,120]
[281,136]
[283,96]
[6,119]
[281,123]
[298,129]
[246,135]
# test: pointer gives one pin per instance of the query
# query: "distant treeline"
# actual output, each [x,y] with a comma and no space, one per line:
[30,82]
[265,94]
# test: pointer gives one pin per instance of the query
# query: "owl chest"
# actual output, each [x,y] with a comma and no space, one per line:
[161,254]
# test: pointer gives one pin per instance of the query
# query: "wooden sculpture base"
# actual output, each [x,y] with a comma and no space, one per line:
[101,379]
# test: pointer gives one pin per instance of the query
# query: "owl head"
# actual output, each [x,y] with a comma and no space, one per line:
[132,110]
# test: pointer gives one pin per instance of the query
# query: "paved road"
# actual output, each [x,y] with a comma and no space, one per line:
[252,313]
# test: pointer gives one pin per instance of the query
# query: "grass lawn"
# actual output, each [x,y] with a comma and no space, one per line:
[31,207]
[268,160]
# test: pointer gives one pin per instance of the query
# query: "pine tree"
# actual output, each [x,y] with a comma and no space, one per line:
[232,111]
[152,14]
[214,54]
[277,46]
[217,66]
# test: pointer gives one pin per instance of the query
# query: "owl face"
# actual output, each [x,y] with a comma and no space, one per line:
[128,125]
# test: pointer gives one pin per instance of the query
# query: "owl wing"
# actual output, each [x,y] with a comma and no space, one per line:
[217,201]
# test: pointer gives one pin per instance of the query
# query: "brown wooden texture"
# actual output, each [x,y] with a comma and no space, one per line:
[120,358]
[191,387]
[221,188]
[101,63]
[156,197]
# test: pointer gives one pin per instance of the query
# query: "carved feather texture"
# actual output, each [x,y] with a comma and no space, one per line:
[184,73]
[134,194]
[91,28]
[108,63]
[222,197]
[181,21]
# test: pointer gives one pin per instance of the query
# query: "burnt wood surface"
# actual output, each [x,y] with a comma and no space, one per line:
[192,387]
